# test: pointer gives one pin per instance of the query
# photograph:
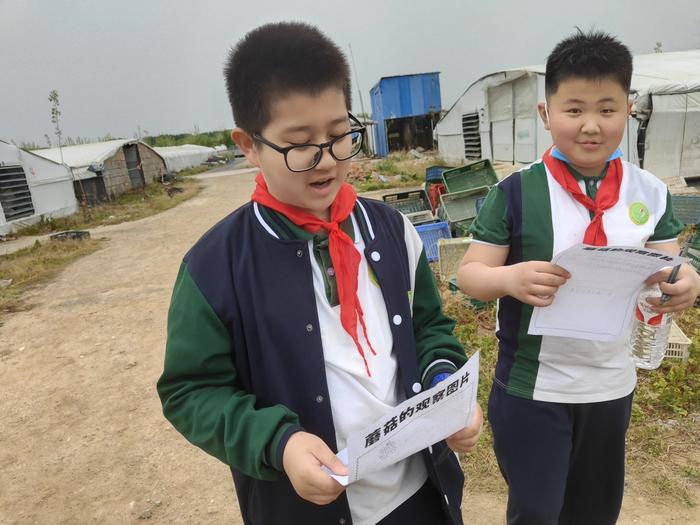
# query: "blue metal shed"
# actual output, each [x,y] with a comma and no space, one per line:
[401,99]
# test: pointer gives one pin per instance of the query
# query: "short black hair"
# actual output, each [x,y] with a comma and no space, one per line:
[276,60]
[592,55]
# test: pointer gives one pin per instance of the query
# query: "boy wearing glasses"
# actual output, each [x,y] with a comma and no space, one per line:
[307,313]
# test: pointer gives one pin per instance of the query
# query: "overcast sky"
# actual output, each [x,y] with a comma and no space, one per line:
[157,64]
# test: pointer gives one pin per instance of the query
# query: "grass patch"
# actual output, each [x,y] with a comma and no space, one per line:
[663,442]
[193,171]
[130,206]
[397,170]
[664,437]
[36,264]
[475,331]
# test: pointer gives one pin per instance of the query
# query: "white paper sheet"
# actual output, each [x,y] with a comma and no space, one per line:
[597,302]
[414,425]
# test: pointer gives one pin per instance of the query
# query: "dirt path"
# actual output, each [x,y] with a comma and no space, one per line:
[82,437]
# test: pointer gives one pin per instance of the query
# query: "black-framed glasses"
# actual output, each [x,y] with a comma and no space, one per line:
[305,157]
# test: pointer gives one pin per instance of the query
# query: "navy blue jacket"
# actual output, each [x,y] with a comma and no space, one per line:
[261,289]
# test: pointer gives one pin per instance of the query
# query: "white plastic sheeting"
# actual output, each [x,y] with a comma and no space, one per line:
[665,90]
[664,143]
[525,96]
[178,158]
[502,140]
[500,100]
[672,145]
[525,113]
[82,156]
[690,160]
[50,185]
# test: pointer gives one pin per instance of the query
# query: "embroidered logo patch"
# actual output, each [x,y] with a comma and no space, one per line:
[639,213]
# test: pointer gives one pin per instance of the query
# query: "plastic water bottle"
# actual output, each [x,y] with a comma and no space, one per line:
[650,332]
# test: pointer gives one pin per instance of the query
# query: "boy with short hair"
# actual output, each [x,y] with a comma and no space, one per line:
[559,407]
[307,313]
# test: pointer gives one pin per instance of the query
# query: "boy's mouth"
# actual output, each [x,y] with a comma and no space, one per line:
[322,183]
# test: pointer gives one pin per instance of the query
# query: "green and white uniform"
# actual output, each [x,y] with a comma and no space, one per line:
[531,214]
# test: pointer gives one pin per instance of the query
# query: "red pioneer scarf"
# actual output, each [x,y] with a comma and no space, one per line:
[344,255]
[606,197]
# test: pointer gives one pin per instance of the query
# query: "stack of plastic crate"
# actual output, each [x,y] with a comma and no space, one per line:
[434,185]
[431,234]
[413,204]
[467,187]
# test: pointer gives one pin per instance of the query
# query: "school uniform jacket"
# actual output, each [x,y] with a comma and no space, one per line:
[244,366]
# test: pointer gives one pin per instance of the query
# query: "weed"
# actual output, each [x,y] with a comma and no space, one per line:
[36,264]
[132,205]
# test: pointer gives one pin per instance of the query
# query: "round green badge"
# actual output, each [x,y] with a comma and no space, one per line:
[639,213]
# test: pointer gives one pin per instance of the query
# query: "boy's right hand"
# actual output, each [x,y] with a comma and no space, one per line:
[535,282]
[302,459]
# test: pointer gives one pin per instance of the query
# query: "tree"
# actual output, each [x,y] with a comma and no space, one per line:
[657,48]
[48,140]
[29,145]
[56,118]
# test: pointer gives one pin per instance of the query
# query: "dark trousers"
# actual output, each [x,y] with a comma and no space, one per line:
[423,508]
[564,463]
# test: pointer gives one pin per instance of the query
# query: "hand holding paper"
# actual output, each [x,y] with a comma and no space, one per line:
[303,455]
[598,300]
[465,440]
[535,282]
[415,424]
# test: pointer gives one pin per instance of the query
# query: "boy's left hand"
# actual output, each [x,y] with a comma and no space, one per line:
[682,293]
[466,439]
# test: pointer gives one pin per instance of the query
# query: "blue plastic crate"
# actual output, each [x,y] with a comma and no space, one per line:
[434,173]
[429,234]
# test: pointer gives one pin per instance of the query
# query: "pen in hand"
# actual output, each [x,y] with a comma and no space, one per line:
[674,273]
[671,279]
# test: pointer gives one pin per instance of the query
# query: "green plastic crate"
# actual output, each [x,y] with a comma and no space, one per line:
[686,208]
[408,201]
[473,175]
[460,206]
[461,229]
[694,252]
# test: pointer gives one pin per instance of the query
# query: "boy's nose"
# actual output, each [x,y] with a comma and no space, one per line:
[590,125]
[327,161]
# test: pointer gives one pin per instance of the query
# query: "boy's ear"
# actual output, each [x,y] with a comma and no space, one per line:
[630,105]
[543,115]
[247,145]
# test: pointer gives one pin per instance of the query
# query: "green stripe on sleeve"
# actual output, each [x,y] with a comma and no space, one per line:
[668,226]
[198,393]
[431,327]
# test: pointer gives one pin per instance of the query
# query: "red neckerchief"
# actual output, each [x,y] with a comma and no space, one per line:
[344,255]
[606,197]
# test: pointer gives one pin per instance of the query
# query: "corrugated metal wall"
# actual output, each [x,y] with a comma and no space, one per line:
[403,96]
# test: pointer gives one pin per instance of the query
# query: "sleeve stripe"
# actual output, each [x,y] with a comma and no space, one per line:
[661,241]
[435,363]
[478,241]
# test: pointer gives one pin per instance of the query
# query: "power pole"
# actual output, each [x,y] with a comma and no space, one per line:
[357,81]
